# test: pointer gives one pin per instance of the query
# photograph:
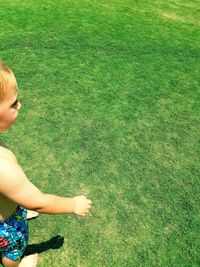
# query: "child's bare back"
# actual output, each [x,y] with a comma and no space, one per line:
[7,207]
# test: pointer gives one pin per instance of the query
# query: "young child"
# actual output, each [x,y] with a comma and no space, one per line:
[17,193]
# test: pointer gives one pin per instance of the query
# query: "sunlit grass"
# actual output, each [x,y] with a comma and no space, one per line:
[110,95]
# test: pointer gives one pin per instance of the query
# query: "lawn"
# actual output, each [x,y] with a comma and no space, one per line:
[110,96]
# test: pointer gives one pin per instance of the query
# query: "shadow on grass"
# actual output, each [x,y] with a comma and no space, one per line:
[54,243]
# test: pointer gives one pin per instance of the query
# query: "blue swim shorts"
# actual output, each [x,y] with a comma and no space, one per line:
[14,235]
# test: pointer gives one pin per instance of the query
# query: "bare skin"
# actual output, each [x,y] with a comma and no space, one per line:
[7,207]
[6,212]
[31,214]
[29,261]
[15,187]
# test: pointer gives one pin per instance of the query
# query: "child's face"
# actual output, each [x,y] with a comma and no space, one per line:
[10,106]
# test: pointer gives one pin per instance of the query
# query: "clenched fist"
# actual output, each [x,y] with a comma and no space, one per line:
[82,205]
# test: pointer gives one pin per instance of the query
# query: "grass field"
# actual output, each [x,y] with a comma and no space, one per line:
[110,95]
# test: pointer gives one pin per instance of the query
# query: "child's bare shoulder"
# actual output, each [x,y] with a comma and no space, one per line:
[6,154]
[7,165]
[11,174]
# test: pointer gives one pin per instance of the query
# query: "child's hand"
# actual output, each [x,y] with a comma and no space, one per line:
[82,205]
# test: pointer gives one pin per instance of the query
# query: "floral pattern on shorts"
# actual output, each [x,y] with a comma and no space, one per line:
[14,234]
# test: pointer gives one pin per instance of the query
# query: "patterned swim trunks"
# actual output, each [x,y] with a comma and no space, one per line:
[14,234]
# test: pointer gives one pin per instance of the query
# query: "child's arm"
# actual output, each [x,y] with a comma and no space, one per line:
[15,186]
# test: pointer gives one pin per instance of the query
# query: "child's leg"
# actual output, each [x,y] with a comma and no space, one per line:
[9,263]
[31,214]
[29,261]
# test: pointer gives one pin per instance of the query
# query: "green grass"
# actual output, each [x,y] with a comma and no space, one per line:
[110,95]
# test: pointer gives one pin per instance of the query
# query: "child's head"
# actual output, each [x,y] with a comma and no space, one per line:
[9,105]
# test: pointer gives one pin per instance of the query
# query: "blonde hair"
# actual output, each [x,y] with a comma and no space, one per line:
[5,71]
